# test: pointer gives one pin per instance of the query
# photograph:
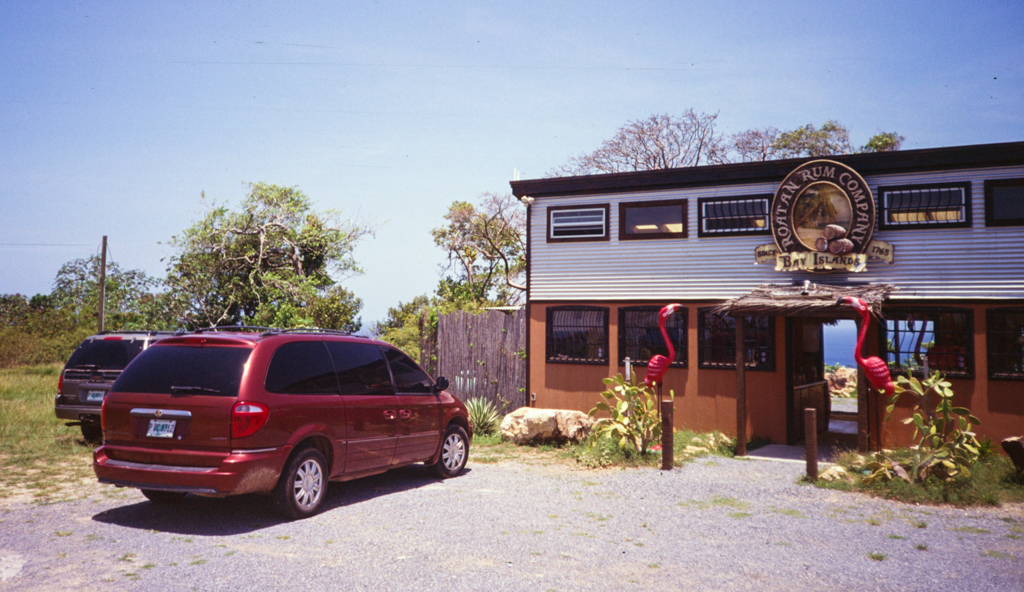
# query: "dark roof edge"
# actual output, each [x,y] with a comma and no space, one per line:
[867,164]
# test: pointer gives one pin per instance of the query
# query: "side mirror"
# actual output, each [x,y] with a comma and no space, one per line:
[441,384]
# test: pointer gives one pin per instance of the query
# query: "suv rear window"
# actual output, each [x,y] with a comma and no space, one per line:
[185,370]
[105,354]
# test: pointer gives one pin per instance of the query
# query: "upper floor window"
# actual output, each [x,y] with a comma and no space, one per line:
[717,341]
[577,334]
[721,216]
[920,206]
[652,219]
[1004,202]
[640,337]
[944,335]
[578,223]
[1006,343]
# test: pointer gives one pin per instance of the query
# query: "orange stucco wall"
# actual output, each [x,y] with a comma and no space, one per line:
[706,399]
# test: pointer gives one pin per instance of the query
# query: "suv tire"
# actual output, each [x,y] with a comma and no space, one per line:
[303,484]
[454,452]
[92,432]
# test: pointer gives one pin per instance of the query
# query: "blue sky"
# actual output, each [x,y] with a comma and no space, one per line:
[115,116]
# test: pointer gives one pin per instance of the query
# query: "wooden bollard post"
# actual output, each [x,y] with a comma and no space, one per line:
[667,437]
[811,438]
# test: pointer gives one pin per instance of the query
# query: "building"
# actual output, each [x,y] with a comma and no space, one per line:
[933,239]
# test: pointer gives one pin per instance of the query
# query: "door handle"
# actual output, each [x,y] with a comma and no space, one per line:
[390,414]
[405,413]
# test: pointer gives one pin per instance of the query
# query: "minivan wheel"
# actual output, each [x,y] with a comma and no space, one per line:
[454,452]
[163,497]
[301,488]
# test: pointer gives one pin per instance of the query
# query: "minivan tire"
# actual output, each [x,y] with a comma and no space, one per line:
[301,489]
[454,452]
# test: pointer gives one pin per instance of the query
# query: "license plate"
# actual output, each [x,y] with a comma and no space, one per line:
[95,396]
[161,428]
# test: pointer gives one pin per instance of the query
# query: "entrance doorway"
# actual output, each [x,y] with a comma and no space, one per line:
[813,343]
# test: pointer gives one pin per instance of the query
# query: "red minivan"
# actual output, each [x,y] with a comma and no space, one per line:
[219,413]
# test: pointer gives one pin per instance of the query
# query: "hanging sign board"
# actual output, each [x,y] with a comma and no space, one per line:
[822,218]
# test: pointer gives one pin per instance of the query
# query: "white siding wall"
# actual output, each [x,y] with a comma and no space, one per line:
[976,262]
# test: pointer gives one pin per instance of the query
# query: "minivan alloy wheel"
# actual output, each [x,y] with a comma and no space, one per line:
[454,452]
[308,485]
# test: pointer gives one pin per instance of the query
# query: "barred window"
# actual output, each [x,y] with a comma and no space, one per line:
[923,206]
[1006,343]
[733,215]
[1004,202]
[717,341]
[640,338]
[577,334]
[652,219]
[945,335]
[572,223]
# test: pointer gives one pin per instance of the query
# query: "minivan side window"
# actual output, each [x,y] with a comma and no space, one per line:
[301,367]
[360,368]
[409,378]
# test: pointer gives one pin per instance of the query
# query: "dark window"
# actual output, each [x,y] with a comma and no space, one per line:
[360,368]
[733,215]
[1006,343]
[944,335]
[577,334]
[177,369]
[301,367]
[652,219]
[105,354]
[578,223]
[1004,202]
[717,341]
[409,377]
[640,338]
[925,206]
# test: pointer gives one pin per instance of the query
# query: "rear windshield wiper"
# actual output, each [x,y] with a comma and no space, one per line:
[193,389]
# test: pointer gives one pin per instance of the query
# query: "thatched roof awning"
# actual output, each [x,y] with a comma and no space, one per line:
[807,300]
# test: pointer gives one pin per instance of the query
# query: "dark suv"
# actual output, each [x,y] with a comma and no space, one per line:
[277,412]
[89,372]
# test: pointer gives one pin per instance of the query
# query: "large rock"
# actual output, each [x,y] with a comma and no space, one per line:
[530,425]
[1014,448]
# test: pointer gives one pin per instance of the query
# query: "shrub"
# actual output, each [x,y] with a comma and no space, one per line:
[634,408]
[483,415]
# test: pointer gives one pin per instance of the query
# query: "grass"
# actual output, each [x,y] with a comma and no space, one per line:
[38,453]
[993,482]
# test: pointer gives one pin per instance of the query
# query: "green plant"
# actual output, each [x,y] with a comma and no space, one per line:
[634,422]
[946,447]
[483,415]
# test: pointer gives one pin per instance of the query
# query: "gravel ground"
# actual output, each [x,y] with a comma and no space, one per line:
[715,524]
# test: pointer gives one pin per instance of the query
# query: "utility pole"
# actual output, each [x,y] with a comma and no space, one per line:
[103,282]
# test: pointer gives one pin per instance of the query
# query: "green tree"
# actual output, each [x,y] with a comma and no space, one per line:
[401,327]
[486,250]
[831,138]
[268,261]
[337,310]
[883,142]
[130,300]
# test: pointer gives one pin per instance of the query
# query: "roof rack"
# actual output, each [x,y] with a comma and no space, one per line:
[314,330]
[235,328]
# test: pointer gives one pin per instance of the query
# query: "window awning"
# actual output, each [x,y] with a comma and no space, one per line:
[807,300]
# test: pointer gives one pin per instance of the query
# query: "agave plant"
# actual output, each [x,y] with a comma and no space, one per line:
[482,414]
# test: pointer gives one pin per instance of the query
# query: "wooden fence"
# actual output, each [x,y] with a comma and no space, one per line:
[484,356]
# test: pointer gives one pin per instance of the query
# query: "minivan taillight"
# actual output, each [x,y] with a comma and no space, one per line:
[247,418]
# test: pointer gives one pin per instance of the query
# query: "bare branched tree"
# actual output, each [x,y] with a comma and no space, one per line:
[658,142]
[754,145]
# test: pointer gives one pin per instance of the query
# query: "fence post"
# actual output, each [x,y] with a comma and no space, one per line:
[811,438]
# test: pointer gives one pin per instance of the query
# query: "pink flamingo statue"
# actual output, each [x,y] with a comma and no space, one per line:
[876,370]
[658,364]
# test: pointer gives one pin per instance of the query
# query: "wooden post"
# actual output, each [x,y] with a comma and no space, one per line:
[811,438]
[667,437]
[741,388]
[103,285]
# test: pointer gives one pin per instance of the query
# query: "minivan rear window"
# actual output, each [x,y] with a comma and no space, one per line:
[185,370]
[105,354]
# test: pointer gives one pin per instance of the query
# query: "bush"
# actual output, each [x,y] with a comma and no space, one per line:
[634,408]
[483,415]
